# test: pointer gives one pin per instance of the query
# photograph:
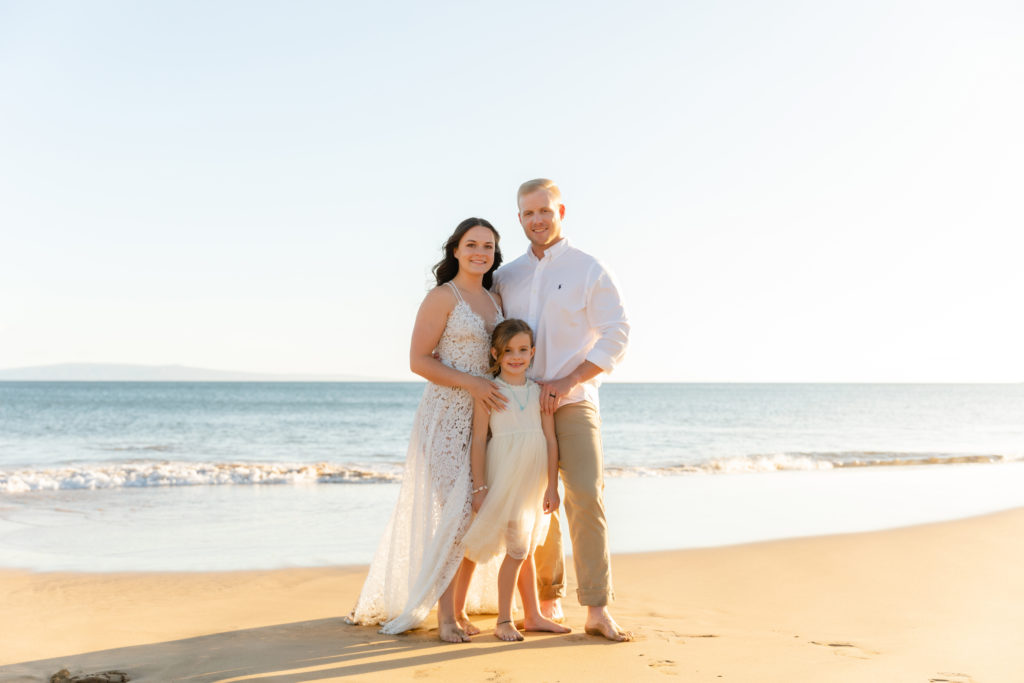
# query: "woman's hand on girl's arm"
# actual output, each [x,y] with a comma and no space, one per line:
[487,392]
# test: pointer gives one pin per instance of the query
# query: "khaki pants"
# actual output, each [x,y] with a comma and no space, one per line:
[581,463]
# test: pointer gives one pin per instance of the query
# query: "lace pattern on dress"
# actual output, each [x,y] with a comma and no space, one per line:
[421,548]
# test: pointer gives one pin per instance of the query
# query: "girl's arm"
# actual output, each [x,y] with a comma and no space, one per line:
[430,322]
[551,501]
[478,453]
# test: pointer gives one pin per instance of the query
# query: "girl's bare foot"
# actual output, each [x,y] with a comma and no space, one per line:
[450,632]
[506,630]
[468,626]
[542,623]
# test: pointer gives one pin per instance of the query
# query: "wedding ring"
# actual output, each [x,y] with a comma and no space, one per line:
[551,395]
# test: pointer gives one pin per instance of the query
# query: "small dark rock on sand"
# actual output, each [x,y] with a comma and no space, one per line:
[64,676]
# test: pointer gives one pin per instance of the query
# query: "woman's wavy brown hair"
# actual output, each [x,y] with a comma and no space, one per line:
[447,268]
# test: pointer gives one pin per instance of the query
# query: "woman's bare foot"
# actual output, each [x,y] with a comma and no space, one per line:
[506,630]
[542,623]
[552,609]
[600,623]
[468,626]
[450,632]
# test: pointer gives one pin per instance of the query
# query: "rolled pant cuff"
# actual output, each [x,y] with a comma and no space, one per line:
[552,591]
[594,597]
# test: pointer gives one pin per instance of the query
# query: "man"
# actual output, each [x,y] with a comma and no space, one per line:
[574,307]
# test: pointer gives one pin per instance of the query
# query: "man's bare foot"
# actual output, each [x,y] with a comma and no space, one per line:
[506,630]
[468,626]
[450,632]
[552,609]
[600,623]
[542,623]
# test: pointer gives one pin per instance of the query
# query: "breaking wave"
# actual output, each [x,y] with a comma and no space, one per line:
[126,475]
[163,474]
[781,462]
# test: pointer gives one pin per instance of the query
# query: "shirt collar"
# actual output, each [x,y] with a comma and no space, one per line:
[552,252]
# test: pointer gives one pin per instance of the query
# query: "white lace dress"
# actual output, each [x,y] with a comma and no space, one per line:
[422,548]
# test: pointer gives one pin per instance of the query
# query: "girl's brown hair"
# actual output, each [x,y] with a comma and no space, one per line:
[502,335]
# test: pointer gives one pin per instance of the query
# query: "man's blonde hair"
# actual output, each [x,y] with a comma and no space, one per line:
[540,184]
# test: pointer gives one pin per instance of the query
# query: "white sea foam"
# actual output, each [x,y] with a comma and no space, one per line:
[789,462]
[142,474]
[166,474]
[738,465]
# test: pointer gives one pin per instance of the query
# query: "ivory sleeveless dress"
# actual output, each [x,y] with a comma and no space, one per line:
[511,519]
[422,548]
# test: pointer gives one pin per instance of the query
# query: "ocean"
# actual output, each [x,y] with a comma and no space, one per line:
[165,475]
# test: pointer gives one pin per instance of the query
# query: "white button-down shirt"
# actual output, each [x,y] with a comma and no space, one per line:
[574,307]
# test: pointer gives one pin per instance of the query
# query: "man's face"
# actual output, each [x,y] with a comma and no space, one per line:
[541,218]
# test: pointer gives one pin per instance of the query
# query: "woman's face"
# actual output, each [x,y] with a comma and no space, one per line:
[475,252]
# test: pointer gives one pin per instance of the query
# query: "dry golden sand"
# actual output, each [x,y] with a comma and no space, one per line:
[942,602]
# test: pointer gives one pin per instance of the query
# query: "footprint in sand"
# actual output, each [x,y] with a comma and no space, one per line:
[946,677]
[664,666]
[425,672]
[846,649]
[665,635]
[680,638]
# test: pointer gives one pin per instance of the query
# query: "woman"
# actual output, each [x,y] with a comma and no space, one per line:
[419,561]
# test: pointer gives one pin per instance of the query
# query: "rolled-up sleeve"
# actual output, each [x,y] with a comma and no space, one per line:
[607,315]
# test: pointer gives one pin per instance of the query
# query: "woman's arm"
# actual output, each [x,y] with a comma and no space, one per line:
[551,501]
[426,333]
[478,453]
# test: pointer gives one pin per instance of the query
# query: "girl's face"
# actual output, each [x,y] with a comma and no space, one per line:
[475,252]
[516,356]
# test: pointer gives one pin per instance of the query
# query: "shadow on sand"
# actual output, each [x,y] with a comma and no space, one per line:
[286,653]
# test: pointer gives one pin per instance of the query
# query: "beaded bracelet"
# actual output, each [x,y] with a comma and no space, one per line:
[482,488]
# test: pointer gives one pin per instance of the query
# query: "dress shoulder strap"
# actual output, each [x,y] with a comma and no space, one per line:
[491,297]
[458,294]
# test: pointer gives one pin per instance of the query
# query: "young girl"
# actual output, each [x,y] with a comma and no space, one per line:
[515,480]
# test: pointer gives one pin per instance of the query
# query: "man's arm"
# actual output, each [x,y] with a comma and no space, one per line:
[606,315]
[554,390]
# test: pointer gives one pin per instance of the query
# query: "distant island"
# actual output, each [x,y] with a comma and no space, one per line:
[120,372]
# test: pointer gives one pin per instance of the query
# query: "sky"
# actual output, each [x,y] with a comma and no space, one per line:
[786,191]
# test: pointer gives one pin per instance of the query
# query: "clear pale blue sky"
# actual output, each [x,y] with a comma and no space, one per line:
[791,191]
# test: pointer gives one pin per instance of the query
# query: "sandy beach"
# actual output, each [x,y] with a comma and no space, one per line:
[932,603]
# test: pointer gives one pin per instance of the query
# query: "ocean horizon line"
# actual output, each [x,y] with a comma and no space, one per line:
[4,380]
